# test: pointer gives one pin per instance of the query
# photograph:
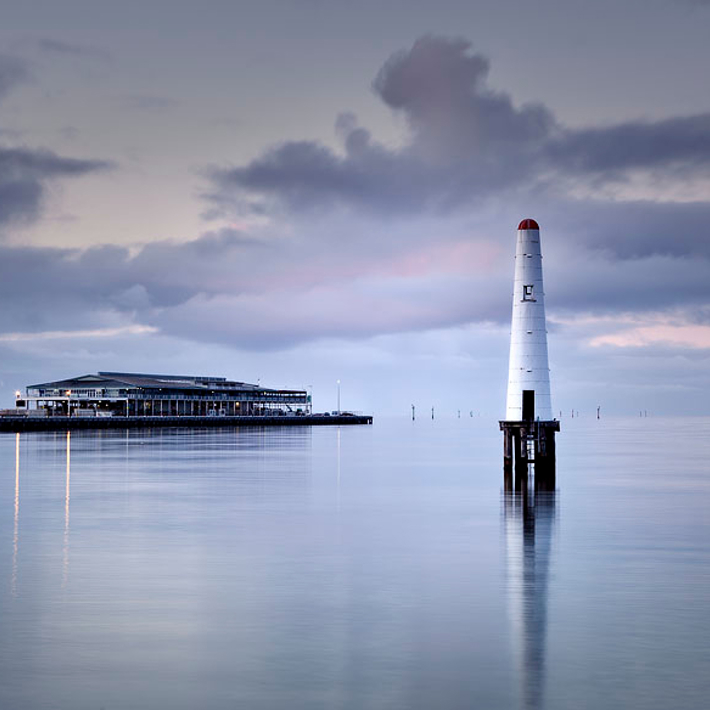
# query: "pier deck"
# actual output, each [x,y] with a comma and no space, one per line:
[21,424]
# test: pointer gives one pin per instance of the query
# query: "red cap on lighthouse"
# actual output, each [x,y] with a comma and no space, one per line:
[528,224]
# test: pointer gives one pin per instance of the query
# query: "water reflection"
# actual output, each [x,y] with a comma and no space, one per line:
[338,459]
[529,518]
[15,536]
[65,549]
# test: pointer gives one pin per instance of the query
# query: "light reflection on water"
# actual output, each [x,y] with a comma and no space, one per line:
[65,566]
[362,567]
[15,533]
[529,518]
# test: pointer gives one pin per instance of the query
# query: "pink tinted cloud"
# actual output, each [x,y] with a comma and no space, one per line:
[459,257]
[685,335]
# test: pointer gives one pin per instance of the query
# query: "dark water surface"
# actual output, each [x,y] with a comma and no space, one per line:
[362,567]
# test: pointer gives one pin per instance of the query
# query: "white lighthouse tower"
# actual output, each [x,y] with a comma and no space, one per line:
[528,369]
[529,426]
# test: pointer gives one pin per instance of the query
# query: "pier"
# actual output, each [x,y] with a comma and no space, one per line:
[23,423]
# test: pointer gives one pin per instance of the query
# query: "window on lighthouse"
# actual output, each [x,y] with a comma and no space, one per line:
[528,292]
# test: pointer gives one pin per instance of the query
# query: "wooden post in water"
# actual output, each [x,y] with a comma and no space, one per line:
[507,451]
[545,465]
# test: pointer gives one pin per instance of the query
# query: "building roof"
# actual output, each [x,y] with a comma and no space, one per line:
[113,380]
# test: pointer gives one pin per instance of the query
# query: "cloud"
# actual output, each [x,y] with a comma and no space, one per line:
[441,88]
[599,285]
[69,334]
[24,173]
[473,163]
[679,335]
[39,164]
[677,142]
[371,239]
[13,71]
[630,230]
[244,291]
[352,310]
[260,290]
[308,176]
[466,143]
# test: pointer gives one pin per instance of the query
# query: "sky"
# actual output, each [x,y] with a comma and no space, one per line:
[296,192]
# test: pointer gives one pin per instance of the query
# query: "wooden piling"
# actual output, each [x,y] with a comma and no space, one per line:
[507,451]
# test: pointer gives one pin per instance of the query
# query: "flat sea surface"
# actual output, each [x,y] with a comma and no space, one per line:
[358,567]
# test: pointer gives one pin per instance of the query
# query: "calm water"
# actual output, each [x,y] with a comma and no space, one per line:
[362,567]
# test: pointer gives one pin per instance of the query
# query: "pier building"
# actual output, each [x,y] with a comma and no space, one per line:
[127,394]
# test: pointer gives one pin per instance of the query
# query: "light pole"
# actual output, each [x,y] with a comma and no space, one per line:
[338,396]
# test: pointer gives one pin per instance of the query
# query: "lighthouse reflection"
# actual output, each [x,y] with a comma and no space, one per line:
[529,519]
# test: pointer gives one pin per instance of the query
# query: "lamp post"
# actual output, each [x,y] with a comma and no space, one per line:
[338,396]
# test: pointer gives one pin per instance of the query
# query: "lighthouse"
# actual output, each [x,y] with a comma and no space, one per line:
[528,369]
[529,427]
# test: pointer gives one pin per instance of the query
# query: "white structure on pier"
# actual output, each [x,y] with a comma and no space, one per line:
[528,369]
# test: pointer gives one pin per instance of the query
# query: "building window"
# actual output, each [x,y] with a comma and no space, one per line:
[528,292]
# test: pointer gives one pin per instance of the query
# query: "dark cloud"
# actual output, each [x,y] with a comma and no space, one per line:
[71,281]
[24,171]
[23,176]
[39,164]
[634,229]
[678,142]
[307,175]
[19,199]
[466,143]
[13,71]
[642,286]
[442,91]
